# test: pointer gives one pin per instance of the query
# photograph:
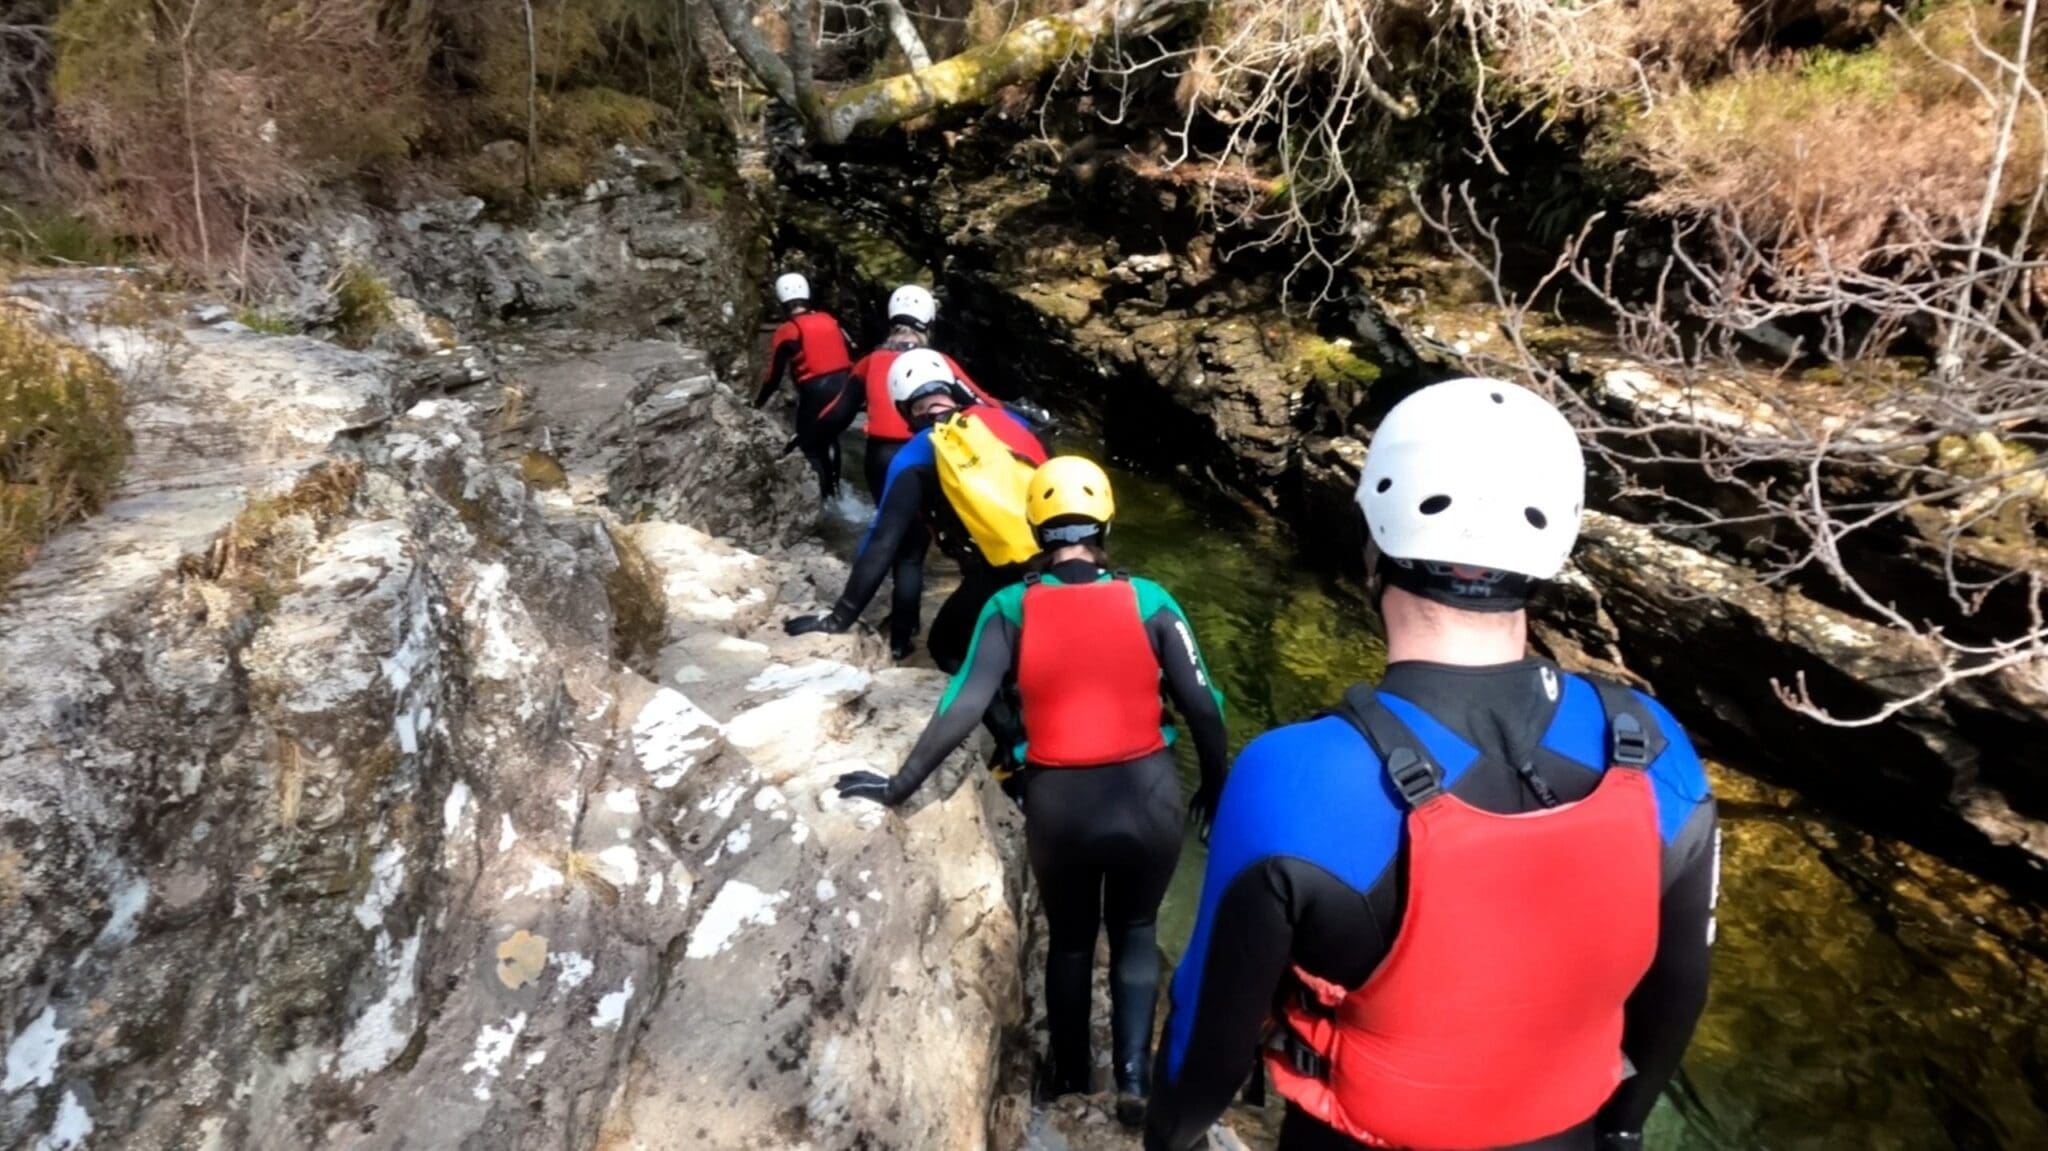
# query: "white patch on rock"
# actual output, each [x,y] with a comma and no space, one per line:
[853,919]
[769,799]
[544,877]
[71,1129]
[453,811]
[654,886]
[724,800]
[32,1057]
[800,833]
[493,1047]
[506,836]
[575,968]
[742,838]
[500,655]
[813,677]
[611,1010]
[669,733]
[387,874]
[827,891]
[385,1027]
[127,902]
[737,905]
[619,865]
[622,800]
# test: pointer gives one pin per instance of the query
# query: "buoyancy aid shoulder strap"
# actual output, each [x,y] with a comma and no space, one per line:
[1415,775]
[1633,737]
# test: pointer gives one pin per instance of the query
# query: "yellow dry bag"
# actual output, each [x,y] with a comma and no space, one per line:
[986,483]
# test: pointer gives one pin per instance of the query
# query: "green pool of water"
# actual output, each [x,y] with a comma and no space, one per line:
[1864,995]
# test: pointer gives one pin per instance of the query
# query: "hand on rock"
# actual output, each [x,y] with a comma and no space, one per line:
[831,624]
[867,785]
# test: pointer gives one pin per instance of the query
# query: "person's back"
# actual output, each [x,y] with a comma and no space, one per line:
[925,392]
[1485,889]
[811,348]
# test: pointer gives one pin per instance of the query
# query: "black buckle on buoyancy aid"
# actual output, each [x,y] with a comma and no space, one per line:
[1414,774]
[1298,1055]
[1633,737]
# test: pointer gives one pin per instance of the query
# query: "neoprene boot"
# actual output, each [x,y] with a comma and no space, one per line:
[1133,997]
[1070,1065]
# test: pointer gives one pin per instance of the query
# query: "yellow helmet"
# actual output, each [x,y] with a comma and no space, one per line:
[1068,493]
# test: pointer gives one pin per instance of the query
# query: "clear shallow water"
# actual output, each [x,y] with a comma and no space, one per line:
[1864,994]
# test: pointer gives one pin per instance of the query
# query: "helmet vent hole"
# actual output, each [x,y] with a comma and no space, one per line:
[1499,399]
[1384,484]
[1536,518]
[1435,504]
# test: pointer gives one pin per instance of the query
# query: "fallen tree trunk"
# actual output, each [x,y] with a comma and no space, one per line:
[969,78]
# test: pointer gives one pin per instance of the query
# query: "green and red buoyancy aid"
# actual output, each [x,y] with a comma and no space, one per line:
[1087,676]
[1497,1017]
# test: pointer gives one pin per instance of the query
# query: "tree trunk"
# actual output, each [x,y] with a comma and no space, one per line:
[1030,51]
[906,34]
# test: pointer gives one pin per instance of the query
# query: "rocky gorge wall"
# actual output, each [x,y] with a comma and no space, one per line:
[1087,282]
[330,814]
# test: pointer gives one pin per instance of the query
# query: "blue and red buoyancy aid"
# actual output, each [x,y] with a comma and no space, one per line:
[1087,676]
[1496,1018]
[884,421]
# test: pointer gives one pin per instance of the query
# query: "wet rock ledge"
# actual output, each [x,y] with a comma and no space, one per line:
[330,816]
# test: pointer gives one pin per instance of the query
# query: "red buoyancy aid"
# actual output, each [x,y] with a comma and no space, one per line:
[884,421]
[1009,429]
[1087,675]
[820,345]
[1496,1018]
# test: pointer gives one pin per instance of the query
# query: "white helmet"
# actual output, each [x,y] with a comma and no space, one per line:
[792,288]
[918,371]
[914,304]
[1476,472]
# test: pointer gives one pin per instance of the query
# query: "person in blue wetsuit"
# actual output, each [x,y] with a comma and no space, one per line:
[926,392]
[1473,908]
[1089,652]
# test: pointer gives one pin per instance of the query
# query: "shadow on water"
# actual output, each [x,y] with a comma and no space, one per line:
[1865,995]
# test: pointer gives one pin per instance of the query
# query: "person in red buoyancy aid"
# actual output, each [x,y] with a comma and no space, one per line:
[1088,652]
[812,349]
[911,312]
[914,504]
[1471,909]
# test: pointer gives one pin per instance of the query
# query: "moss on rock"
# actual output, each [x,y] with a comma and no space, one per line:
[63,440]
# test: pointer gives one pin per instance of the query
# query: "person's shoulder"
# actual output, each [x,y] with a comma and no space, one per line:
[1295,759]
[1679,768]
[1310,791]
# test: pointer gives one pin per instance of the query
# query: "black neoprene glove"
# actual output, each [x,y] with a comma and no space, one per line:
[831,623]
[869,785]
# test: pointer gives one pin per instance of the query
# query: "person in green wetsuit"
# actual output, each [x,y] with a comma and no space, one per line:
[1087,652]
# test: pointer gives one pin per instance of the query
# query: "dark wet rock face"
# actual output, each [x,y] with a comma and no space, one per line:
[1094,290]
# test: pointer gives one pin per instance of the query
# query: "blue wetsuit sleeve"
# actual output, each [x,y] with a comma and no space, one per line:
[1238,954]
[1665,1006]
[902,504]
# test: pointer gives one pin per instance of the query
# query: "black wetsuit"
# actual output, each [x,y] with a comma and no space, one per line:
[1103,841]
[812,348]
[1306,868]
